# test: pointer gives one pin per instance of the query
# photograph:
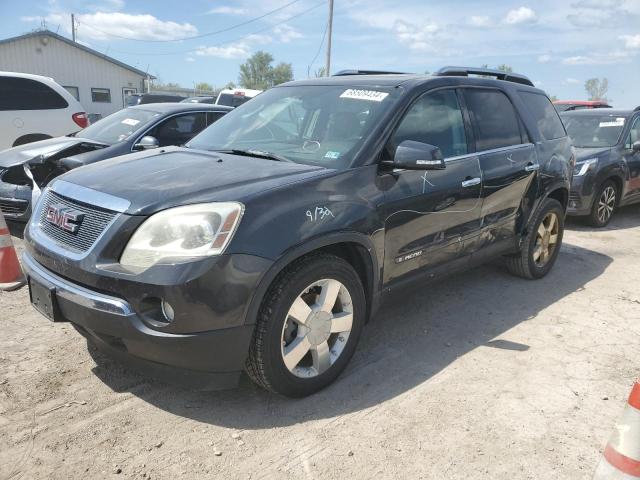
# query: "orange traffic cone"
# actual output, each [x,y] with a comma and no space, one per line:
[621,458]
[11,276]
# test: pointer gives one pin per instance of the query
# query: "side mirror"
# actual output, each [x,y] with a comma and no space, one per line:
[636,147]
[411,155]
[146,143]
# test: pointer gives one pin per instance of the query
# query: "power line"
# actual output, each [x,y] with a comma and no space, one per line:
[217,32]
[239,39]
[324,34]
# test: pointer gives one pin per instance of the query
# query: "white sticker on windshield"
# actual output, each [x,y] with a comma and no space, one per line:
[130,121]
[332,155]
[619,122]
[369,95]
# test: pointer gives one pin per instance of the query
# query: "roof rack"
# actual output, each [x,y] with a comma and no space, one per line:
[342,73]
[499,74]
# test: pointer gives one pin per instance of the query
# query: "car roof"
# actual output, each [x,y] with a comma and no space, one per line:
[607,112]
[172,107]
[410,80]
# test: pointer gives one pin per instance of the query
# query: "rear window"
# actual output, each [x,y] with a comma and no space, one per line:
[495,121]
[230,100]
[28,94]
[547,120]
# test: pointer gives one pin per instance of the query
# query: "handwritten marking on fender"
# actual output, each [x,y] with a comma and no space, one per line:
[319,213]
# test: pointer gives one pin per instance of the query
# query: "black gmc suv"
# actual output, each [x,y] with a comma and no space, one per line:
[269,240]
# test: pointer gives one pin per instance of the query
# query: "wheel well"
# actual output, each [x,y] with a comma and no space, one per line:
[31,137]
[561,195]
[360,259]
[615,179]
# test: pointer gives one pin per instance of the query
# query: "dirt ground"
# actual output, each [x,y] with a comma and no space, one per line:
[481,376]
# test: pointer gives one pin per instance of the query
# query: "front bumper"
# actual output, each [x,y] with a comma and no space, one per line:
[205,360]
[581,195]
[15,201]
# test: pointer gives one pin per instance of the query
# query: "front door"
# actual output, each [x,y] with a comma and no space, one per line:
[632,159]
[507,159]
[429,214]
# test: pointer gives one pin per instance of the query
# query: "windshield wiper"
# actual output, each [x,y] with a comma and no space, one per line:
[255,153]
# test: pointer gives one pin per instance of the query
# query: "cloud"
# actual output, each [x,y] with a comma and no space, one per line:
[417,37]
[111,25]
[544,58]
[240,49]
[572,81]
[520,15]
[481,21]
[631,41]
[226,10]
[606,58]
[286,33]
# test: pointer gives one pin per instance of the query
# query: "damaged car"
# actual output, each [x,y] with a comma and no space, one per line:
[26,169]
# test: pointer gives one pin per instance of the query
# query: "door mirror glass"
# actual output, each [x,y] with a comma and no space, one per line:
[412,155]
[147,142]
[636,146]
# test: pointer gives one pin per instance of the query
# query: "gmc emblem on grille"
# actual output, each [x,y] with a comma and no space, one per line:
[64,217]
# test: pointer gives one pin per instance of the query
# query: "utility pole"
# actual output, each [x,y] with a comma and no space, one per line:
[73,27]
[327,65]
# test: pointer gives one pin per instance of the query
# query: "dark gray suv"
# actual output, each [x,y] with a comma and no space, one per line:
[607,172]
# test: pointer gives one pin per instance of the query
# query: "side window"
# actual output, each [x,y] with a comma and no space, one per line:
[435,118]
[213,117]
[634,133]
[494,119]
[101,95]
[28,94]
[179,129]
[547,120]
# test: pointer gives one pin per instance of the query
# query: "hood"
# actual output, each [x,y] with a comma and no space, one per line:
[173,176]
[52,147]
[585,153]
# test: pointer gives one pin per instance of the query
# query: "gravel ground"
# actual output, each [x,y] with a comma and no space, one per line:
[480,376]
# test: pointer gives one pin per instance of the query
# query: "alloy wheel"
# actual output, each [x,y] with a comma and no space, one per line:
[317,328]
[606,204]
[546,239]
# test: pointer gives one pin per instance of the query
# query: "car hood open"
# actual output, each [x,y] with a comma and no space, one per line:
[173,176]
[39,151]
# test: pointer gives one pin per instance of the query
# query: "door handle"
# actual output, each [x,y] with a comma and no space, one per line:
[470,182]
[532,167]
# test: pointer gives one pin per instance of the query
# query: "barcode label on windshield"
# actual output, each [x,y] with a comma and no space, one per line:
[369,95]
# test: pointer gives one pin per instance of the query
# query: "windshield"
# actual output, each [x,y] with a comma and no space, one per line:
[118,126]
[591,131]
[316,125]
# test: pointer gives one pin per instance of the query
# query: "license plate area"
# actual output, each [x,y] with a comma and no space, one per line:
[43,299]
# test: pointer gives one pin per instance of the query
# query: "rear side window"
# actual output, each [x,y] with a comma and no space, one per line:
[494,118]
[547,120]
[28,94]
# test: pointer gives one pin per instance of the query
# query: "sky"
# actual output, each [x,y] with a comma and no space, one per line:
[557,43]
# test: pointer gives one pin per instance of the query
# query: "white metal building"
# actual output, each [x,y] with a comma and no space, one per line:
[99,82]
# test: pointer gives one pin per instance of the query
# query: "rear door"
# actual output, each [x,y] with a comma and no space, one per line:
[632,160]
[429,214]
[508,162]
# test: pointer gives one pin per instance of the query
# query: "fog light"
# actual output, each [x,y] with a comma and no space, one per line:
[167,311]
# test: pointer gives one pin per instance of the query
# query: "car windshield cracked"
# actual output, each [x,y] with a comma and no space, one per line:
[315,125]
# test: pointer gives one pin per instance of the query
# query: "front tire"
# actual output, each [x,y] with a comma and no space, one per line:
[542,244]
[604,205]
[308,326]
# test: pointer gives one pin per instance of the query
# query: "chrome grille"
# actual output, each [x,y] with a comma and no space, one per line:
[95,221]
[13,207]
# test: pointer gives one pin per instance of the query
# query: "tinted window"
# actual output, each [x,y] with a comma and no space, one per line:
[212,117]
[435,119]
[101,95]
[495,121]
[547,120]
[27,94]
[179,129]
[231,100]
[634,133]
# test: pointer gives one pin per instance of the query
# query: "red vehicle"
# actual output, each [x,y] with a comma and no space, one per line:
[567,105]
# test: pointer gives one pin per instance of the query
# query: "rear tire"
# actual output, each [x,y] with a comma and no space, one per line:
[542,244]
[604,205]
[308,326]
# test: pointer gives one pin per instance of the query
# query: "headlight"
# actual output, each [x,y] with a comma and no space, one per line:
[183,234]
[583,166]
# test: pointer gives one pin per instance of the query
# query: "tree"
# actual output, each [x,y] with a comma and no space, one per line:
[597,88]
[230,86]
[203,87]
[319,73]
[505,68]
[258,73]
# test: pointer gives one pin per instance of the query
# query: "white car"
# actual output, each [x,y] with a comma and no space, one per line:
[234,97]
[33,107]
